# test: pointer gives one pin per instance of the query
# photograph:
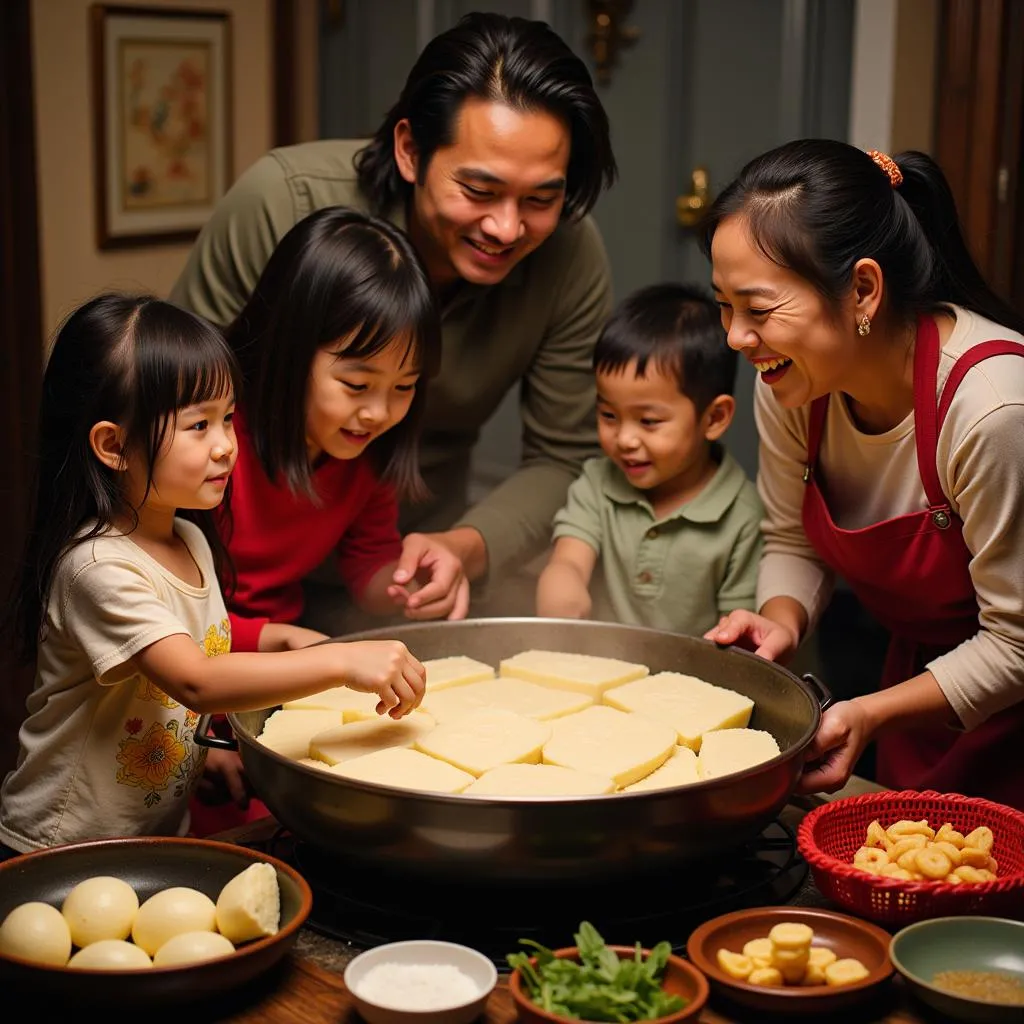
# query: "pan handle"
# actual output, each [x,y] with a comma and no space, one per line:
[205,739]
[821,691]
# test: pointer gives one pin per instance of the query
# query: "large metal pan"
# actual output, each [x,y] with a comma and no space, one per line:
[531,839]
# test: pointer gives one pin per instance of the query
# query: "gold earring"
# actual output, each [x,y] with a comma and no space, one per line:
[864,326]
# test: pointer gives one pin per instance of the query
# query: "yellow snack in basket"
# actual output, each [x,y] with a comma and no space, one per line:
[845,972]
[876,836]
[899,829]
[951,851]
[973,856]
[914,851]
[869,858]
[980,839]
[909,843]
[767,976]
[933,863]
[736,965]
[948,834]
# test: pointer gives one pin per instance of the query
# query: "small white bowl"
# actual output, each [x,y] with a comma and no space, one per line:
[419,952]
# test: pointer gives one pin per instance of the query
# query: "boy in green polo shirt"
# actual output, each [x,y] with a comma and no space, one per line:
[666,514]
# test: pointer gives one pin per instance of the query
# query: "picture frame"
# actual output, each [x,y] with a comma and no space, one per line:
[163,121]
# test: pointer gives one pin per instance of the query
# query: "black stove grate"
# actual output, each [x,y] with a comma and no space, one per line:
[366,910]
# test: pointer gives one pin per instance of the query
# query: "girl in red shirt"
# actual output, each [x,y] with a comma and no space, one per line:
[335,345]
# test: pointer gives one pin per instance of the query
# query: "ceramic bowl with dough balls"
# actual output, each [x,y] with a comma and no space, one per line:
[149,866]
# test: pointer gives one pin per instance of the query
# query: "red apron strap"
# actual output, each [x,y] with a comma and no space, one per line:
[815,428]
[969,359]
[926,428]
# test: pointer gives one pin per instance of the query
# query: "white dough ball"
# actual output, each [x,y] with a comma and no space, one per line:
[101,907]
[191,948]
[110,955]
[249,905]
[170,912]
[37,932]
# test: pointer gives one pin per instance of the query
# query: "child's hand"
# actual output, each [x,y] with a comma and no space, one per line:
[280,636]
[223,777]
[429,580]
[386,668]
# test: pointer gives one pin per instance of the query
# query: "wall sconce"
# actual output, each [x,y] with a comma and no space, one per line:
[608,36]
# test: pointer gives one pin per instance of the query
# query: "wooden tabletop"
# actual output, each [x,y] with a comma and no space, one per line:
[299,992]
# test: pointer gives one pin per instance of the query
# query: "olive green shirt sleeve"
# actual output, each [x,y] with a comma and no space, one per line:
[557,403]
[236,242]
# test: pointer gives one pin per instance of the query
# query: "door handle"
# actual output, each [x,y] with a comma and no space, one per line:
[692,207]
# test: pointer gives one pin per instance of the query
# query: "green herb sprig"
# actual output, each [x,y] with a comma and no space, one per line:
[600,986]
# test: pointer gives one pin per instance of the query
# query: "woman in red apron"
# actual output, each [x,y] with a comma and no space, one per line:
[844,279]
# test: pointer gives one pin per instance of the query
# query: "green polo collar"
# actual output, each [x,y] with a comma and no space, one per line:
[708,507]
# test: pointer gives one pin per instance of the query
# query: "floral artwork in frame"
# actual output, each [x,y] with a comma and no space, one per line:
[163,121]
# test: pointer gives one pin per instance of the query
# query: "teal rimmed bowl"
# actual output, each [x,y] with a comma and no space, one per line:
[989,944]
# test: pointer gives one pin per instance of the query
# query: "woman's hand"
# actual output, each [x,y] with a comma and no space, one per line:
[429,580]
[383,667]
[844,732]
[765,637]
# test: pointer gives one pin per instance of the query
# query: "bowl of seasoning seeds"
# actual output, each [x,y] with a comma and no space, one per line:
[966,968]
[420,981]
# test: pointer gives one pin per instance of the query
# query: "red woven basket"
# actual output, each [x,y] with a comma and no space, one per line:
[829,836]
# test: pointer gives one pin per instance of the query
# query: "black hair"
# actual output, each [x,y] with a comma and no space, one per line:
[678,327]
[817,206]
[133,360]
[523,64]
[338,278]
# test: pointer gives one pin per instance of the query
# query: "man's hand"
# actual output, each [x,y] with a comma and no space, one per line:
[429,580]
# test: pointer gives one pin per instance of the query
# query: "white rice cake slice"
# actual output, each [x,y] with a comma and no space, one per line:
[585,673]
[690,705]
[540,702]
[288,732]
[679,770]
[538,780]
[457,670]
[726,751]
[353,704]
[404,768]
[485,738]
[604,741]
[353,739]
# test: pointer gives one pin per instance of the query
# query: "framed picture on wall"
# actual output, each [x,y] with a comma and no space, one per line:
[162,106]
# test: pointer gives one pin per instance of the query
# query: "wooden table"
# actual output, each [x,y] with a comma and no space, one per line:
[302,992]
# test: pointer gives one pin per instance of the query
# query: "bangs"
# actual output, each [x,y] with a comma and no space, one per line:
[183,362]
[382,313]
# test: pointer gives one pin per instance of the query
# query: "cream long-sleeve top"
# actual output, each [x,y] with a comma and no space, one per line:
[873,477]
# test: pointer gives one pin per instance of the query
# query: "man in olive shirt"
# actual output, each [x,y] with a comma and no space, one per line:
[491,159]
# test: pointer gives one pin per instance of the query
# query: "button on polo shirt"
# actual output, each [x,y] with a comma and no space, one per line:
[680,571]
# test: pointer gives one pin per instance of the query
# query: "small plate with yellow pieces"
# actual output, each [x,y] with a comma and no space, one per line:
[792,960]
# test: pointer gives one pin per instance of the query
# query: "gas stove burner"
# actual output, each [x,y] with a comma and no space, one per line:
[368,909]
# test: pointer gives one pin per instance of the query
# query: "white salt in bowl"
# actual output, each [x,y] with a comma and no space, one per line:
[420,981]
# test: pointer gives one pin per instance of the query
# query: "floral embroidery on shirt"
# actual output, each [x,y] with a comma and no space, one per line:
[153,760]
[146,689]
[217,639]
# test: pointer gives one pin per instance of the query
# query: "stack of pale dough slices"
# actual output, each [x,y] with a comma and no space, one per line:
[552,724]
